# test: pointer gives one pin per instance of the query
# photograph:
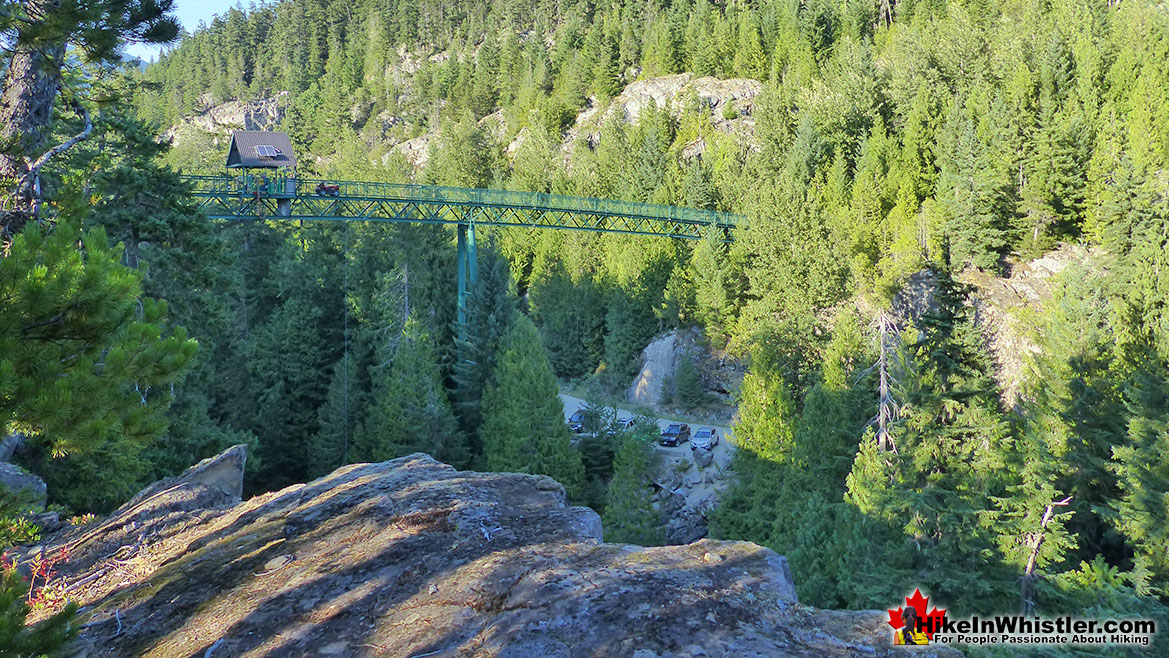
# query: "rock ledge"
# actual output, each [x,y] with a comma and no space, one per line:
[413,558]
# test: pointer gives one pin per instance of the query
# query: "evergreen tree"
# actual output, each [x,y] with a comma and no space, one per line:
[464,155]
[629,513]
[45,639]
[570,315]
[523,419]
[700,189]
[629,326]
[750,60]
[85,360]
[286,367]
[606,72]
[714,289]
[40,32]
[1054,192]
[1142,472]
[409,411]
[688,391]
[951,456]
[338,422]
[491,311]
[971,190]
[763,435]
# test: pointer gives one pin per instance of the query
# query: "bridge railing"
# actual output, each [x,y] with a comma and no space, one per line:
[230,185]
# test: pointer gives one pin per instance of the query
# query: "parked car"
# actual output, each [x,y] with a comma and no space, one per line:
[705,438]
[576,421]
[675,434]
[626,423]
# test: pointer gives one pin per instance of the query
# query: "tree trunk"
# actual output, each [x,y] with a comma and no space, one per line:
[29,90]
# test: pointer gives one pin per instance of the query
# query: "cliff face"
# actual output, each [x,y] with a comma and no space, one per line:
[1006,307]
[413,558]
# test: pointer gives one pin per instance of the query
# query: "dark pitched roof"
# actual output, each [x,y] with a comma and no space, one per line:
[243,152]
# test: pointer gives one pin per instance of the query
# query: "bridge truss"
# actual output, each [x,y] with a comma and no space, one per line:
[239,198]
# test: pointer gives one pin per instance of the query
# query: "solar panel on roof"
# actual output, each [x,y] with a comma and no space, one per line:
[267,151]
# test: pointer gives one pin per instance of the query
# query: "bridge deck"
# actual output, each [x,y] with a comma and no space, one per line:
[225,197]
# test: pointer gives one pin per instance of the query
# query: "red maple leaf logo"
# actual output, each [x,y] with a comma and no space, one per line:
[928,623]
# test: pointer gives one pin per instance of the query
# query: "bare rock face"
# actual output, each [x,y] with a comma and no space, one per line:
[224,118]
[416,150]
[643,94]
[261,114]
[16,479]
[730,104]
[412,558]
[659,360]
[1000,303]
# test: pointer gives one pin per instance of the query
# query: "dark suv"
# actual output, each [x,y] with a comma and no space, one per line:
[675,434]
[576,422]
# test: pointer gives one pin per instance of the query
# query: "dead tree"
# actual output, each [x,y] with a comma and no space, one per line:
[888,361]
[1035,541]
[42,31]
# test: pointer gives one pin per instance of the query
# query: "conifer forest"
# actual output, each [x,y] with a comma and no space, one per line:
[887,143]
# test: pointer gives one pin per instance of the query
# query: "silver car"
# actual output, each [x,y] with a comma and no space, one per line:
[705,438]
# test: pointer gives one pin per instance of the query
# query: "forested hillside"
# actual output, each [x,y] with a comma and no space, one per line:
[876,451]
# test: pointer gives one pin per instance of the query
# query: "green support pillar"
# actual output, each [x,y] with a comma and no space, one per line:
[472,255]
[468,264]
[461,258]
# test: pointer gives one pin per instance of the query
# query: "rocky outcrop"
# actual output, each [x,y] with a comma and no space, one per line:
[730,104]
[670,91]
[721,373]
[29,488]
[9,444]
[658,361]
[1002,305]
[221,477]
[224,118]
[687,489]
[413,558]
[416,150]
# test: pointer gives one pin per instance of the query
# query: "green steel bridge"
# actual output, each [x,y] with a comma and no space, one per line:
[285,198]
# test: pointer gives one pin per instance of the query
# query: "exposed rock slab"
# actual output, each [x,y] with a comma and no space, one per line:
[17,480]
[730,104]
[224,118]
[413,558]
[659,360]
[1002,305]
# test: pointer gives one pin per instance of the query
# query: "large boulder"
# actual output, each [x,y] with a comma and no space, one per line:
[414,558]
[703,457]
[30,488]
[9,444]
[685,526]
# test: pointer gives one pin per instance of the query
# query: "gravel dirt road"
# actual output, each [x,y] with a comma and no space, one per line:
[722,452]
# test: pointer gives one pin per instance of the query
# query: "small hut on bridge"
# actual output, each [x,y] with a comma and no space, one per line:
[258,149]
[271,153]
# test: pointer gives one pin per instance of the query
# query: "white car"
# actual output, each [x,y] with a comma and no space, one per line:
[705,438]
